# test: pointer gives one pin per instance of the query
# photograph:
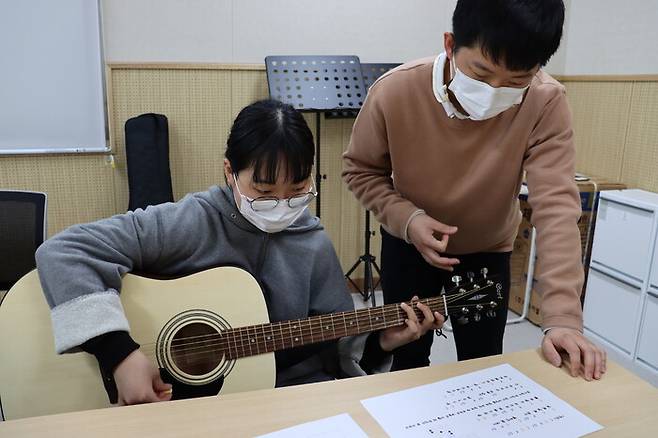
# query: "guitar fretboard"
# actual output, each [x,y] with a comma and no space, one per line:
[266,338]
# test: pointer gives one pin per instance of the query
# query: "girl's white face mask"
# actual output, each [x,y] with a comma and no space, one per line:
[480,100]
[271,220]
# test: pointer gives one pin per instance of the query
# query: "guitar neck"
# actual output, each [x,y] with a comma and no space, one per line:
[266,338]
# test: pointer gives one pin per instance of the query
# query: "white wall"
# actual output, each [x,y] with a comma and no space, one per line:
[600,36]
[245,31]
[556,65]
[608,37]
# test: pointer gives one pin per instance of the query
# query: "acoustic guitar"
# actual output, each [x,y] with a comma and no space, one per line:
[208,332]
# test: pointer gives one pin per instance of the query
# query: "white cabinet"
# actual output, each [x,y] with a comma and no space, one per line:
[621,240]
[621,301]
[647,351]
[607,302]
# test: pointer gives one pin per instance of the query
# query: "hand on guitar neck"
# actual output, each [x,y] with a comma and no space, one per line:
[413,329]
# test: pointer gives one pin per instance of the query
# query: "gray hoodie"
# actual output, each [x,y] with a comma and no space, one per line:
[298,270]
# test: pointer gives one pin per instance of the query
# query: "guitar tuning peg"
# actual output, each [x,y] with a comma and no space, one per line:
[470,276]
[476,317]
[491,313]
[493,304]
[484,272]
[465,310]
[456,279]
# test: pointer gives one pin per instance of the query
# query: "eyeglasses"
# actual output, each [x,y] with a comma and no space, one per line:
[266,203]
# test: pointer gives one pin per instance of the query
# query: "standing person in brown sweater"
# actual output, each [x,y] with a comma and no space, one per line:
[438,154]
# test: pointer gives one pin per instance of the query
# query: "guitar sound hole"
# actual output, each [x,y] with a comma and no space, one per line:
[196,349]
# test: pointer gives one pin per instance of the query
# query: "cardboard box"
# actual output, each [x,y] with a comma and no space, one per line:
[590,188]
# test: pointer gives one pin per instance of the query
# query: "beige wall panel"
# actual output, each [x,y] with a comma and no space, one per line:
[640,165]
[79,187]
[197,104]
[351,243]
[310,121]
[331,165]
[600,116]
[248,86]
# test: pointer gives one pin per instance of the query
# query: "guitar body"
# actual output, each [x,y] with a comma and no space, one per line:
[34,380]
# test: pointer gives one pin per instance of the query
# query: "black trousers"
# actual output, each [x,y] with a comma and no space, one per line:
[405,273]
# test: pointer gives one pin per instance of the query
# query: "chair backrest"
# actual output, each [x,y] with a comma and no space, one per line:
[22,230]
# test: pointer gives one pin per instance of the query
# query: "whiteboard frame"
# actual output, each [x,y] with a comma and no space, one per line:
[79,150]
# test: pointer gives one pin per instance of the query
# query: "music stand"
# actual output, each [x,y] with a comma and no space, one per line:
[316,84]
[370,74]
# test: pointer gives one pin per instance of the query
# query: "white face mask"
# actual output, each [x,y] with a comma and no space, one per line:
[273,220]
[479,99]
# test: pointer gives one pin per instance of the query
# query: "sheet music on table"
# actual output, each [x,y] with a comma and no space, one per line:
[494,402]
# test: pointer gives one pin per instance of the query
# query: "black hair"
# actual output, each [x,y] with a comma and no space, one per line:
[271,136]
[518,34]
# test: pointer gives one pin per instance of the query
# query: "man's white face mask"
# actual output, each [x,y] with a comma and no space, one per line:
[480,100]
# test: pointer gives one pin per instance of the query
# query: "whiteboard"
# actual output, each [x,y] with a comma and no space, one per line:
[51,77]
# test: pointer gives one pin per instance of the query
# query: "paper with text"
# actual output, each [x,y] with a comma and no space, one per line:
[494,402]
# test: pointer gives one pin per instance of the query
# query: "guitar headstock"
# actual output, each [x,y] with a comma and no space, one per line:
[477,296]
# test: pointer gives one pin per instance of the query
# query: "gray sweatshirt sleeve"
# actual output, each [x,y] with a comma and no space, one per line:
[330,294]
[81,268]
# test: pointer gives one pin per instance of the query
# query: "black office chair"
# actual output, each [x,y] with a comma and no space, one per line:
[22,230]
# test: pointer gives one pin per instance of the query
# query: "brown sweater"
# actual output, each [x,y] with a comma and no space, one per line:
[406,154]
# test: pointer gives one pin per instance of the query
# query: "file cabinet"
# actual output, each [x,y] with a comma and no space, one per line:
[621,302]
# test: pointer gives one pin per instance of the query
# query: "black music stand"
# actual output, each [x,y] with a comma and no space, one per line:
[370,74]
[316,84]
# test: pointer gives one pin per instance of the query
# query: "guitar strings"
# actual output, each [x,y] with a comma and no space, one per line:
[393,309]
[254,350]
[224,341]
[247,333]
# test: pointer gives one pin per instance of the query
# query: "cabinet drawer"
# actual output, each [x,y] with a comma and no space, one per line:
[611,309]
[622,240]
[648,348]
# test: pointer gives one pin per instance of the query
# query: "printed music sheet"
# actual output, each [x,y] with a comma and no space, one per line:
[494,402]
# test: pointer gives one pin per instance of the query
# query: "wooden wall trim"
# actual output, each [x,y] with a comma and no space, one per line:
[184,66]
[56,154]
[607,78]
[261,67]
